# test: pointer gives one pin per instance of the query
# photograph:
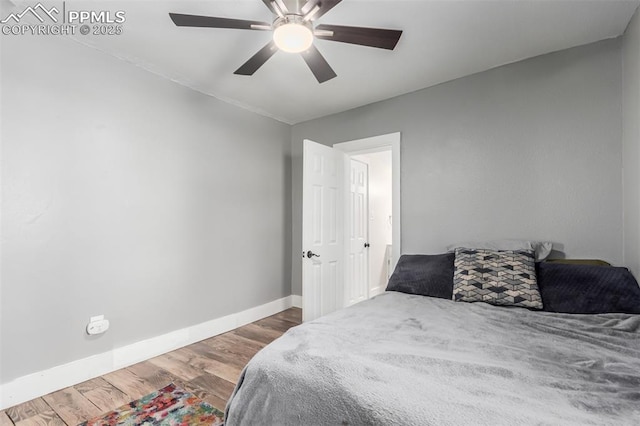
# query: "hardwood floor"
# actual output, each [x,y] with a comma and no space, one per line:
[208,369]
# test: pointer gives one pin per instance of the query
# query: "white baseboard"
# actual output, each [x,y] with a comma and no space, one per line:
[376,291]
[35,385]
[296,301]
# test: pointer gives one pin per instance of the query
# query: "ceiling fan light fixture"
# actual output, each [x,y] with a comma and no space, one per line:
[294,31]
[292,34]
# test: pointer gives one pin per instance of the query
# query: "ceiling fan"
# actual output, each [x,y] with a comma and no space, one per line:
[294,30]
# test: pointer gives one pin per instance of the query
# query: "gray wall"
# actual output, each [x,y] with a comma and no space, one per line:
[528,150]
[631,144]
[127,195]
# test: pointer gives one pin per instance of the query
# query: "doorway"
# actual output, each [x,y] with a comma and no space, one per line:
[380,156]
[378,213]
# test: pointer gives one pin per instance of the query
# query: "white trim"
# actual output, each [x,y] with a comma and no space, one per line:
[377,144]
[296,301]
[376,291]
[34,385]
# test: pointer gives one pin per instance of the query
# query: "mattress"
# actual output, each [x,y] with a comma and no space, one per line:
[416,360]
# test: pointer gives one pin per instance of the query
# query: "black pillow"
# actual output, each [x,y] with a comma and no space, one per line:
[427,275]
[587,289]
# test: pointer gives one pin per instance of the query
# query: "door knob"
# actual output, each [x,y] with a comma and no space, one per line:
[367,245]
[311,254]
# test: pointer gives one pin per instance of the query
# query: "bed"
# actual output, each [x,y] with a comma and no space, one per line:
[412,359]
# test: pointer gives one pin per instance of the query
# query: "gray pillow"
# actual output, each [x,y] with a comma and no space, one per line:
[426,275]
[506,278]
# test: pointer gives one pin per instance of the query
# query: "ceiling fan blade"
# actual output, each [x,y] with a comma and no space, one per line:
[318,65]
[182,20]
[324,7]
[373,37]
[257,60]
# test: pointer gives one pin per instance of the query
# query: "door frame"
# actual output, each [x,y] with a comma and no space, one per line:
[386,142]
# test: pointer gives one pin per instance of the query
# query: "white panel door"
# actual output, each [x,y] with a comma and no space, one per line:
[357,281]
[322,230]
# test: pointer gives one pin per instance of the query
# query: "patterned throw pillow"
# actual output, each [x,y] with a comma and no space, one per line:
[497,277]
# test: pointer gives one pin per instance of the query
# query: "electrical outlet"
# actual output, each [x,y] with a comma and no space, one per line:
[97,325]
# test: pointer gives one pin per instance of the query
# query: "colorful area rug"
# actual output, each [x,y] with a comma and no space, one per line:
[168,406]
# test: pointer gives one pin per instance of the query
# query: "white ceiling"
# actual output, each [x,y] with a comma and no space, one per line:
[442,40]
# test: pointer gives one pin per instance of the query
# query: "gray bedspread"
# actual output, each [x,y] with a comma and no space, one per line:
[415,360]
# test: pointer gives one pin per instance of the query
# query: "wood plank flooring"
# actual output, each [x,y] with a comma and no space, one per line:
[208,369]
